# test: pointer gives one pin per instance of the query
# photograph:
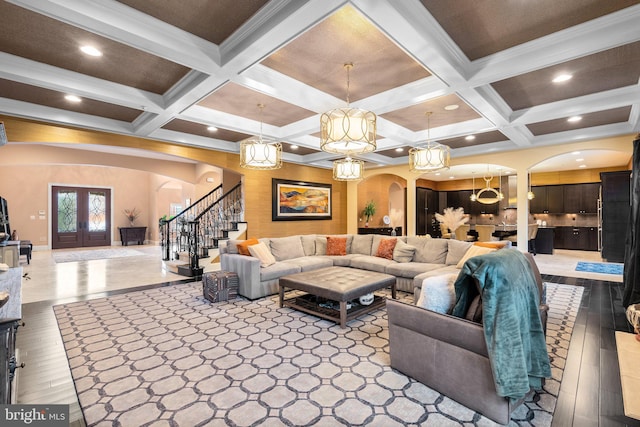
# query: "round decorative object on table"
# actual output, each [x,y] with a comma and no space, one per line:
[633,316]
[386,220]
[366,299]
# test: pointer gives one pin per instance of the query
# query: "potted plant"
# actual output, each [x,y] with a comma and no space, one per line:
[368,212]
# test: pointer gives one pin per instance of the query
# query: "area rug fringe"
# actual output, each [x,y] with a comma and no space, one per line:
[168,354]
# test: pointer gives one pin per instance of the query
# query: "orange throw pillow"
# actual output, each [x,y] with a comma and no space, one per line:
[385,249]
[336,245]
[495,245]
[243,248]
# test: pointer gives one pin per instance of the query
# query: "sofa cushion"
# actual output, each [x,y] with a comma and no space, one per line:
[262,252]
[308,244]
[243,247]
[371,263]
[474,251]
[429,250]
[340,260]
[438,293]
[474,313]
[410,269]
[385,248]
[403,252]
[456,250]
[308,263]
[361,244]
[277,270]
[336,245]
[232,246]
[284,248]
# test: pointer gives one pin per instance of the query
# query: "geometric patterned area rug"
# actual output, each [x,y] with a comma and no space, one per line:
[600,267]
[88,255]
[170,357]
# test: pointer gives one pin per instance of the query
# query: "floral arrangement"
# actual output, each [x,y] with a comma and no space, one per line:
[452,218]
[131,214]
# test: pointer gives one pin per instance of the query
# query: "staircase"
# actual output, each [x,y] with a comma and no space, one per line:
[193,233]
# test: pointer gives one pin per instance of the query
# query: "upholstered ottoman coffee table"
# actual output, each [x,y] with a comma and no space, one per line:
[339,284]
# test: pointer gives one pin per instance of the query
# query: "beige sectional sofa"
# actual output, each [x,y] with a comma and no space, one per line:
[414,259]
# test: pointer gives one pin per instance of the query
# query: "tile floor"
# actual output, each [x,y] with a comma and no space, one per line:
[586,394]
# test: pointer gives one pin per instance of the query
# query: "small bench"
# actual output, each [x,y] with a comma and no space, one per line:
[340,284]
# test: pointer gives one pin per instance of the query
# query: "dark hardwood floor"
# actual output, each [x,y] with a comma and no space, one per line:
[590,393]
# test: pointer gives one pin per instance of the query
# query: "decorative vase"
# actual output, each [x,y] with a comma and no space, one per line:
[366,224]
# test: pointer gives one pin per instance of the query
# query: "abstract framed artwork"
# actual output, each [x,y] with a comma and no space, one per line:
[295,200]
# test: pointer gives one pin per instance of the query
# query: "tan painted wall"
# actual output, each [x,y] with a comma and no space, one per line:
[376,188]
[257,184]
[27,190]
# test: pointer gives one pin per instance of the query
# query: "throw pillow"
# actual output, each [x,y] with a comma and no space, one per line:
[385,248]
[438,293]
[262,252]
[456,250]
[473,251]
[336,245]
[243,247]
[496,245]
[284,248]
[403,252]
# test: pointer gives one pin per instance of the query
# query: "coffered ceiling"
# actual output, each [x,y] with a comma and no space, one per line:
[169,70]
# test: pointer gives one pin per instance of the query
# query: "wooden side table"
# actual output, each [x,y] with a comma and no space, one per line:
[132,234]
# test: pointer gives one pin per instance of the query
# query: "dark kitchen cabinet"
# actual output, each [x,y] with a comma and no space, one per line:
[426,208]
[576,238]
[549,199]
[581,198]
[615,213]
[459,199]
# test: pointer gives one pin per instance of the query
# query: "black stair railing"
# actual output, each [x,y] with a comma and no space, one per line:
[197,230]
[174,231]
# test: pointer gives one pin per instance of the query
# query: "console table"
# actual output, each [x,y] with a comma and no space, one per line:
[387,231]
[132,234]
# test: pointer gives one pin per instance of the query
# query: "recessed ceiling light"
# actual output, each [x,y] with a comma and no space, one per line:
[562,78]
[470,137]
[451,107]
[72,98]
[293,146]
[437,173]
[582,166]
[452,177]
[579,160]
[212,128]
[575,153]
[574,119]
[90,50]
[399,149]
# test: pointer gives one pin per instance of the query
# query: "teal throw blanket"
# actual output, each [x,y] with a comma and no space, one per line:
[511,319]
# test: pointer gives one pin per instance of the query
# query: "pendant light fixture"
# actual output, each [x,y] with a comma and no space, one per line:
[530,194]
[491,195]
[430,157]
[348,130]
[259,153]
[348,169]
